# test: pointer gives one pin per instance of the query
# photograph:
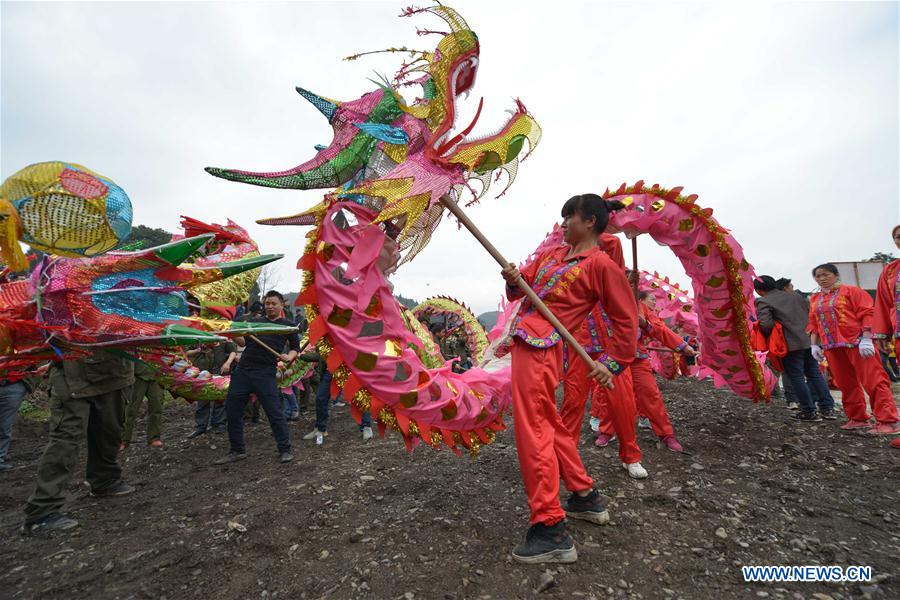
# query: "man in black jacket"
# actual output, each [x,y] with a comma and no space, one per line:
[792,311]
[87,402]
[255,374]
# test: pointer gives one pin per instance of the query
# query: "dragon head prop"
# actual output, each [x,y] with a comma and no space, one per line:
[400,158]
[119,299]
[235,254]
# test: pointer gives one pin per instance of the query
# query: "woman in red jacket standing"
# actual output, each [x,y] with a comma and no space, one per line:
[571,280]
[886,324]
[646,391]
[840,327]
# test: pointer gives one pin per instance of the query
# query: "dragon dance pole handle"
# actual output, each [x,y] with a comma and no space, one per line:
[266,346]
[269,348]
[529,293]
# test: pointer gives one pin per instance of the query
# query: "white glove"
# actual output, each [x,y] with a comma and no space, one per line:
[817,352]
[866,348]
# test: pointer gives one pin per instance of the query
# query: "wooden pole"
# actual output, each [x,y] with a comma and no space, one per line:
[634,267]
[269,348]
[529,293]
[266,346]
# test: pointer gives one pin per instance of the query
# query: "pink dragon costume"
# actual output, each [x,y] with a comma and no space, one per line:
[721,278]
[391,163]
[718,314]
[673,304]
[676,307]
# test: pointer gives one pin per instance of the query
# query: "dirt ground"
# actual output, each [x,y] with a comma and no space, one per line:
[357,519]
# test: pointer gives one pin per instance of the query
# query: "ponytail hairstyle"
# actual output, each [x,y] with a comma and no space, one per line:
[591,206]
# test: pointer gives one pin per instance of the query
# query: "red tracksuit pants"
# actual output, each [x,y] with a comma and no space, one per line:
[647,399]
[547,450]
[615,407]
[852,374]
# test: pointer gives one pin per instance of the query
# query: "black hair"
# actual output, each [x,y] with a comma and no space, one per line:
[591,206]
[764,283]
[782,283]
[828,267]
[274,294]
[643,295]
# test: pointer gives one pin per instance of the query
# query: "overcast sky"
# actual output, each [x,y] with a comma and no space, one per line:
[783,117]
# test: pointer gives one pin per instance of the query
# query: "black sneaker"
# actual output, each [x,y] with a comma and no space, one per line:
[120,488]
[196,433]
[546,544]
[807,417]
[53,522]
[828,414]
[588,508]
[230,458]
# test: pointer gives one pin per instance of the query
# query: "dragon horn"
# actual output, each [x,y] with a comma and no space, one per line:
[299,219]
[175,253]
[326,106]
[246,264]
[450,16]
[204,275]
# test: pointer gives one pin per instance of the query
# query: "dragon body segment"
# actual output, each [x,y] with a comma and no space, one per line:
[720,275]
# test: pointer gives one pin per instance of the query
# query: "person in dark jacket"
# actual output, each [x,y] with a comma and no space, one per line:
[791,310]
[87,400]
[218,360]
[256,374]
[12,393]
[145,386]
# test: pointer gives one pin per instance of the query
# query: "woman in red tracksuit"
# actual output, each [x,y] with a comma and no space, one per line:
[840,323]
[648,399]
[571,280]
[617,404]
[886,326]
[646,391]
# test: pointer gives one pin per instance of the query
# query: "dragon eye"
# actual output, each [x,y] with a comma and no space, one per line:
[344,219]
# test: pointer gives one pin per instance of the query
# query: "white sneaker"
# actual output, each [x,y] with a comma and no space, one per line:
[643,423]
[320,438]
[314,435]
[635,470]
[367,433]
[595,424]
